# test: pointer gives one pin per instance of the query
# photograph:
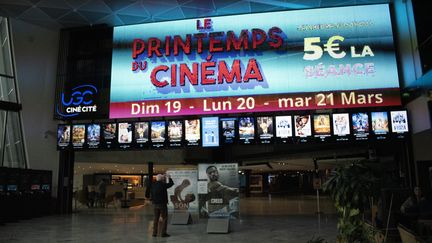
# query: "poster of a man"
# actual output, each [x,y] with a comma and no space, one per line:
[222,197]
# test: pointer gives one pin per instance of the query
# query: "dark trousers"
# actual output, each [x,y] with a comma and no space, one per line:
[160,211]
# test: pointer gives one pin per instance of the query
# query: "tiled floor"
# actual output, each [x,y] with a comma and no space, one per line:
[278,219]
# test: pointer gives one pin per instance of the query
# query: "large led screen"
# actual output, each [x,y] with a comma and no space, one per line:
[290,60]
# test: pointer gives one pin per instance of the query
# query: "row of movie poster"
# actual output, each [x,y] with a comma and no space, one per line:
[214,131]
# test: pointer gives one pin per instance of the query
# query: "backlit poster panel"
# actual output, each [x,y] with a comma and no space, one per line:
[210,131]
[125,134]
[93,135]
[399,123]
[221,196]
[283,128]
[228,127]
[322,126]
[341,57]
[360,125]
[63,136]
[246,130]
[158,133]
[78,136]
[141,133]
[192,135]
[109,134]
[380,124]
[265,129]
[302,126]
[341,126]
[175,133]
[183,196]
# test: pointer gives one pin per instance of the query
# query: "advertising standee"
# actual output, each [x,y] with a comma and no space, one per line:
[221,199]
[183,195]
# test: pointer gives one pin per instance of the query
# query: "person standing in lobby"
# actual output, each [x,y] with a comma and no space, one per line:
[159,197]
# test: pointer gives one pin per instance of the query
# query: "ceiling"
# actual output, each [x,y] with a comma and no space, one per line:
[58,14]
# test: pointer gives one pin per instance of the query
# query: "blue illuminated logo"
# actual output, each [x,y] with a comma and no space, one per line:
[80,101]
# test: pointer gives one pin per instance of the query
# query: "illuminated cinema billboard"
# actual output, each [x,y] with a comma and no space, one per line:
[290,60]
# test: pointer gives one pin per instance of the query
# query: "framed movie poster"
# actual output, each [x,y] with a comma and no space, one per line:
[125,134]
[380,124]
[158,135]
[360,125]
[302,127]
[265,129]
[109,135]
[341,126]
[175,133]
[221,198]
[193,134]
[63,136]
[284,132]
[322,127]
[399,123]
[93,136]
[210,131]
[78,136]
[141,134]
[246,130]
[228,130]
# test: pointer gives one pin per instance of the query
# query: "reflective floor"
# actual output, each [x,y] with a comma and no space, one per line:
[263,219]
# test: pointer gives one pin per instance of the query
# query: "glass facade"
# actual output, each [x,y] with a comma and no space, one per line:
[11,140]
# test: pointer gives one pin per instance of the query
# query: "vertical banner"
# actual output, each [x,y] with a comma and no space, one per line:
[221,197]
[183,195]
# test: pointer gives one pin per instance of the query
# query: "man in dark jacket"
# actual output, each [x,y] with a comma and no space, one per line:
[160,201]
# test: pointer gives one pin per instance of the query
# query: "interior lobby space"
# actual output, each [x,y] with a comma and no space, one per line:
[229,120]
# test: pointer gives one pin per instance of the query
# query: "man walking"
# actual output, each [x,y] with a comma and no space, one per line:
[160,201]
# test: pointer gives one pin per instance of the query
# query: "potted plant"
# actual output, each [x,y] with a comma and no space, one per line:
[351,186]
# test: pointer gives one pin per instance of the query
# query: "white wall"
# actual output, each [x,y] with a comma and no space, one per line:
[36,50]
